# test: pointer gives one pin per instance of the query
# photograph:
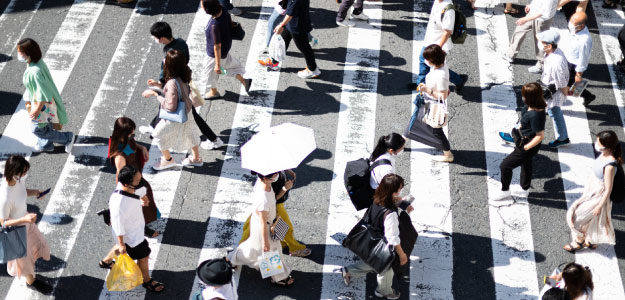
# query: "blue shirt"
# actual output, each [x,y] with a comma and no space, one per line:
[577,47]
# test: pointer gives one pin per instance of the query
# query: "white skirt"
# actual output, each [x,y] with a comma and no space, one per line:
[579,217]
[176,136]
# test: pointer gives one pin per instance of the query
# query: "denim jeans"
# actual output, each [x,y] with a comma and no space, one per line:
[47,136]
[424,70]
[558,123]
[271,25]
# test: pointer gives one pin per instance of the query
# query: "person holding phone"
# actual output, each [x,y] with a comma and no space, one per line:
[576,280]
[13,194]
[250,251]
[383,216]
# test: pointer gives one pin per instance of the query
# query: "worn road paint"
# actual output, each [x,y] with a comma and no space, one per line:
[354,139]
[9,16]
[510,223]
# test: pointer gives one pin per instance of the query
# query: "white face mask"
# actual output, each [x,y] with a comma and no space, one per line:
[572,28]
[275,178]
[598,147]
[21,57]
[427,63]
[141,191]
[156,40]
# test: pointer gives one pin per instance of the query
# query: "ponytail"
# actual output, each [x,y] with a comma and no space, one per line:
[618,153]
[609,139]
[393,141]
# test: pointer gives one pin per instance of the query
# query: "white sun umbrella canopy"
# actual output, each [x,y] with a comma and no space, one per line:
[278,148]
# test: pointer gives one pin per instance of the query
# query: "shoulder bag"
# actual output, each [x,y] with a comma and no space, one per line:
[370,244]
[436,114]
[12,243]
[178,116]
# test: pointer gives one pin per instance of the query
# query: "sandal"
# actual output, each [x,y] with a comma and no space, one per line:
[286,282]
[152,286]
[590,245]
[571,247]
[347,279]
[40,286]
[301,253]
[104,265]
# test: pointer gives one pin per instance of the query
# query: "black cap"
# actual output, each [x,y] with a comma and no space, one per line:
[215,272]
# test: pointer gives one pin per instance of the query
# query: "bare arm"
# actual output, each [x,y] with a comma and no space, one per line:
[28,218]
[445,37]
[263,217]
[608,181]
[540,136]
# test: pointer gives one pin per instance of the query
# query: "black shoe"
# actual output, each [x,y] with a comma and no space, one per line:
[248,85]
[589,99]
[40,286]
[459,88]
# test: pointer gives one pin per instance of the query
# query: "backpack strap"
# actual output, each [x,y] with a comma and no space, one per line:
[447,7]
[127,194]
[380,162]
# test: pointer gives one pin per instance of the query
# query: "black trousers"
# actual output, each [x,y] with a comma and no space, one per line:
[301,42]
[586,93]
[440,134]
[207,132]
[522,158]
[344,8]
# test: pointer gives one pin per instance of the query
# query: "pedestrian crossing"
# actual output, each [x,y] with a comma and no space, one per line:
[82,181]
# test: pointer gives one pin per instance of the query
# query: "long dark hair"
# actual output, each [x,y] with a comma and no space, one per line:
[383,196]
[16,165]
[577,279]
[533,95]
[609,140]
[176,66]
[392,141]
[123,127]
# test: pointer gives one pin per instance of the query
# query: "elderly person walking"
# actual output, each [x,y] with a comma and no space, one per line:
[577,47]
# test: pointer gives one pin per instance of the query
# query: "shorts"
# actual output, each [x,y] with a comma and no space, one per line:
[140,251]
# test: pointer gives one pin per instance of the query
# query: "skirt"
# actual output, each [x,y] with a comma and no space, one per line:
[176,136]
[37,248]
[579,217]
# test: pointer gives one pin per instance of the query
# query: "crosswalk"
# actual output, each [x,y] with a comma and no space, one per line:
[114,45]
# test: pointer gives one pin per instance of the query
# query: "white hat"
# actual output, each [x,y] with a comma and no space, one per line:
[549,36]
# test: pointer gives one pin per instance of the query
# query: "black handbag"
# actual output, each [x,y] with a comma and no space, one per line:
[548,90]
[237,31]
[370,245]
[12,243]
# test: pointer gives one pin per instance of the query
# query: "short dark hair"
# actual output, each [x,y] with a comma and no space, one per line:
[127,174]
[16,165]
[211,7]
[161,30]
[555,293]
[434,54]
[30,48]
[176,66]
[533,95]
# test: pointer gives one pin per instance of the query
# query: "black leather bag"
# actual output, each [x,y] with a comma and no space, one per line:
[237,31]
[548,90]
[370,245]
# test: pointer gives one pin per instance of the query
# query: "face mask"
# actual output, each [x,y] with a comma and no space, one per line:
[21,57]
[598,147]
[572,28]
[141,191]
[399,152]
[275,179]
[427,63]
[156,40]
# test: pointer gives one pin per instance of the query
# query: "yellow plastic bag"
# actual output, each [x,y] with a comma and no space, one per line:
[125,275]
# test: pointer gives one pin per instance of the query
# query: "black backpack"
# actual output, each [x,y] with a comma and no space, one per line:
[618,186]
[356,177]
[459,33]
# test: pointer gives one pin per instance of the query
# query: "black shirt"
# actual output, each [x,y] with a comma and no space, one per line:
[300,11]
[532,122]
[277,187]
[219,31]
[177,44]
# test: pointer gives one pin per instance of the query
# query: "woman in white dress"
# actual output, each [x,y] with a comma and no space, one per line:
[13,194]
[169,135]
[590,216]
[250,252]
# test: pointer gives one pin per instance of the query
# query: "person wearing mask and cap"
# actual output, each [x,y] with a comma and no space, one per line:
[555,77]
[577,47]
[217,275]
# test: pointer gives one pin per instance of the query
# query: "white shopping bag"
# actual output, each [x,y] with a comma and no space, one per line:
[277,48]
[270,264]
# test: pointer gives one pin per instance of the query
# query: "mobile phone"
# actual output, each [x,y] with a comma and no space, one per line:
[549,281]
[409,199]
[43,193]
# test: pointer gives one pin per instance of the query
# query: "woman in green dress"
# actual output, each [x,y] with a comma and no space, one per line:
[43,101]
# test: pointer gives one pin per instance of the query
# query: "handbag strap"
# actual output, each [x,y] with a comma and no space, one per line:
[179,90]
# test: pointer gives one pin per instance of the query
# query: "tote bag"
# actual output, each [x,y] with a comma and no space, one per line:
[178,116]
[370,245]
[12,243]
[436,114]
[270,264]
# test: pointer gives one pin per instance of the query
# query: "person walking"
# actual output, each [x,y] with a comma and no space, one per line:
[43,101]
[356,13]
[590,216]
[217,275]
[438,31]
[576,280]
[169,134]
[555,76]
[385,152]
[279,9]
[127,225]
[383,215]
[538,19]
[577,47]
[282,187]
[218,43]
[250,252]
[13,194]
[298,26]
[162,34]
[532,132]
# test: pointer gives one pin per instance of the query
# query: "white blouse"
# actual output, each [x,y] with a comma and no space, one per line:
[13,200]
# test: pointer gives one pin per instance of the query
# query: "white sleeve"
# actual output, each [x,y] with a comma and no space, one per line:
[391,229]
[441,83]
[448,20]
[117,221]
[5,205]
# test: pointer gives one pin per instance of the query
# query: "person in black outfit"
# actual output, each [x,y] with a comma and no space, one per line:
[532,132]
[162,34]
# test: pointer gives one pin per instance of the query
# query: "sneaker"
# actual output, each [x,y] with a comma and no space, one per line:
[502,195]
[188,162]
[346,23]
[558,143]
[506,137]
[164,164]
[70,144]
[208,145]
[146,129]
[522,193]
[537,69]
[394,295]
[459,88]
[589,99]
[248,85]
[313,42]
[235,11]
[40,286]
[306,74]
[269,64]
[346,277]
[361,16]
[49,149]
[507,58]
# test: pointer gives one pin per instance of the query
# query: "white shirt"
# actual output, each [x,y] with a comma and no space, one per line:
[438,79]
[226,292]
[12,200]
[546,8]
[391,229]
[380,171]
[127,217]
[577,47]
[437,25]
[556,71]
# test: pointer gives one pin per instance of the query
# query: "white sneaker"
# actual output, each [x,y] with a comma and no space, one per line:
[306,74]
[208,145]
[537,69]
[70,145]
[346,23]
[361,16]
[235,11]
[393,296]
[502,195]
[146,129]
[188,162]
[521,194]
[164,164]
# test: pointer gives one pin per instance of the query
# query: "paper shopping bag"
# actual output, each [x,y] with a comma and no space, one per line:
[270,264]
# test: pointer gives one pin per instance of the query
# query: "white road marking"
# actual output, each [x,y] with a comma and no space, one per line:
[354,139]
[510,223]
[431,261]
[74,186]
[23,19]
[231,204]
